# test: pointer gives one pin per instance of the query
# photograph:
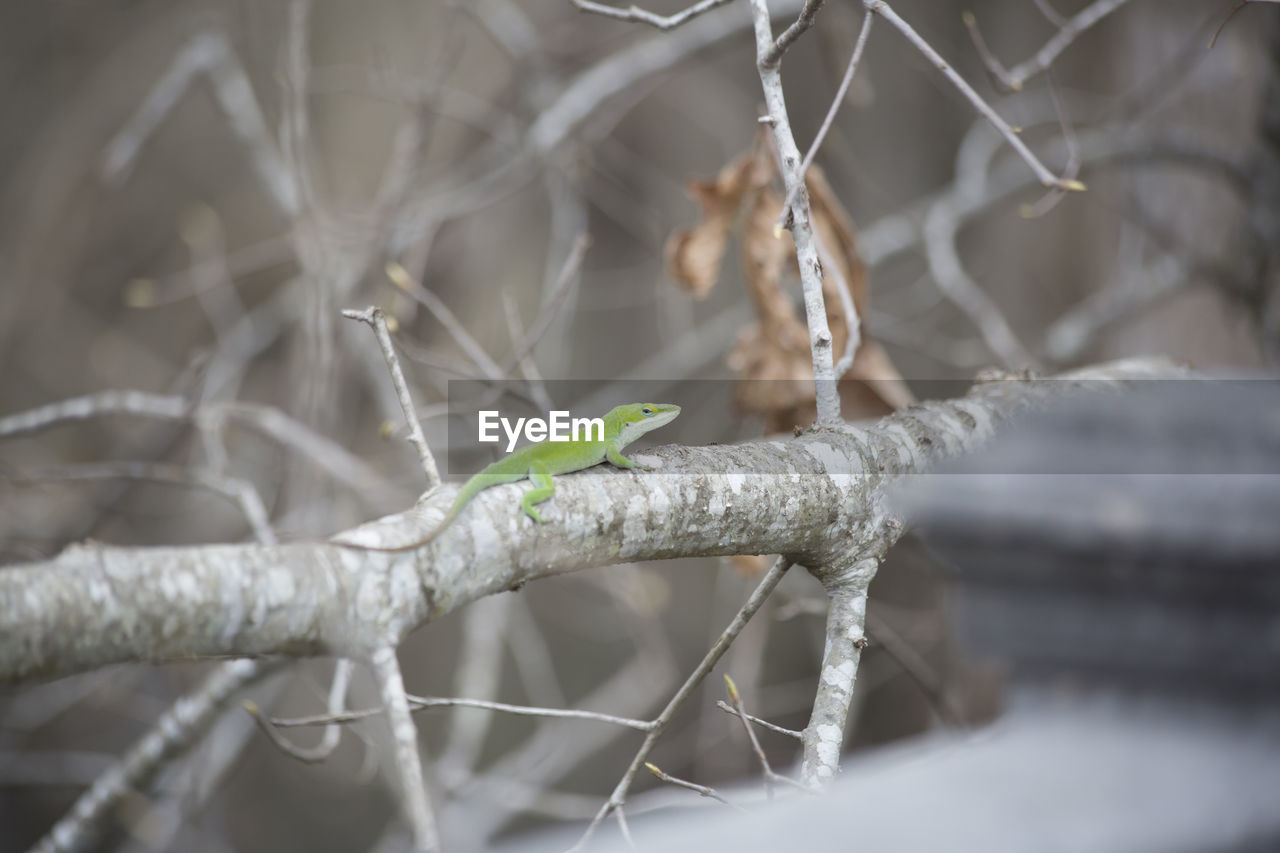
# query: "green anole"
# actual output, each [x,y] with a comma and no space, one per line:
[540,462]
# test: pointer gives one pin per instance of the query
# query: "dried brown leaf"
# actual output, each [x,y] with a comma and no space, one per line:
[695,255]
[773,357]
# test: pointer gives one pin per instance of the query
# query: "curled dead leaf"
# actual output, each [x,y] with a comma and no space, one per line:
[773,356]
[695,255]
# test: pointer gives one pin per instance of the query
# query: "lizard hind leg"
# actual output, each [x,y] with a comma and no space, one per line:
[543,488]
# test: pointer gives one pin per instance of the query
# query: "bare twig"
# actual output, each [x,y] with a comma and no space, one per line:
[635,13]
[400,277]
[1069,335]
[1042,173]
[623,827]
[564,282]
[1052,196]
[240,492]
[295,125]
[1068,31]
[692,786]
[528,368]
[916,668]
[415,802]
[708,662]
[377,320]
[175,731]
[332,732]
[830,117]
[424,703]
[771,776]
[729,709]
[1051,14]
[808,13]
[557,746]
[853,323]
[478,674]
[329,455]
[172,734]
[940,229]
[208,53]
[207,273]
[621,71]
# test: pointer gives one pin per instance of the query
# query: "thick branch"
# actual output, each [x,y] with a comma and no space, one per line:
[94,605]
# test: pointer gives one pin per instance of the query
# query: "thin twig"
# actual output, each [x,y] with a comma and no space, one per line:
[328,454]
[830,117]
[295,125]
[886,637]
[729,709]
[241,492]
[421,703]
[771,776]
[853,322]
[1042,173]
[735,699]
[427,702]
[622,70]
[789,36]
[1051,14]
[207,53]
[635,13]
[528,368]
[993,65]
[415,802]
[708,662]
[940,229]
[173,733]
[1052,196]
[564,282]
[400,277]
[478,673]
[692,786]
[1068,33]
[621,815]
[1068,336]
[377,320]
[332,732]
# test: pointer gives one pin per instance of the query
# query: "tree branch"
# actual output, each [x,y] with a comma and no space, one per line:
[173,733]
[93,604]
[635,13]
[797,218]
[413,787]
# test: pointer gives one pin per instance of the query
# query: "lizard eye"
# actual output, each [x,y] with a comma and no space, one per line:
[646,410]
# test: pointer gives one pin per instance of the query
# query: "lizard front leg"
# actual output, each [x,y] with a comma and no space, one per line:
[615,457]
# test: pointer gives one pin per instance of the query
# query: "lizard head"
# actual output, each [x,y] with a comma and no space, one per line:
[633,420]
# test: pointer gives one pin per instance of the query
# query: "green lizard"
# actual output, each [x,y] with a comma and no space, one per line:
[540,462]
